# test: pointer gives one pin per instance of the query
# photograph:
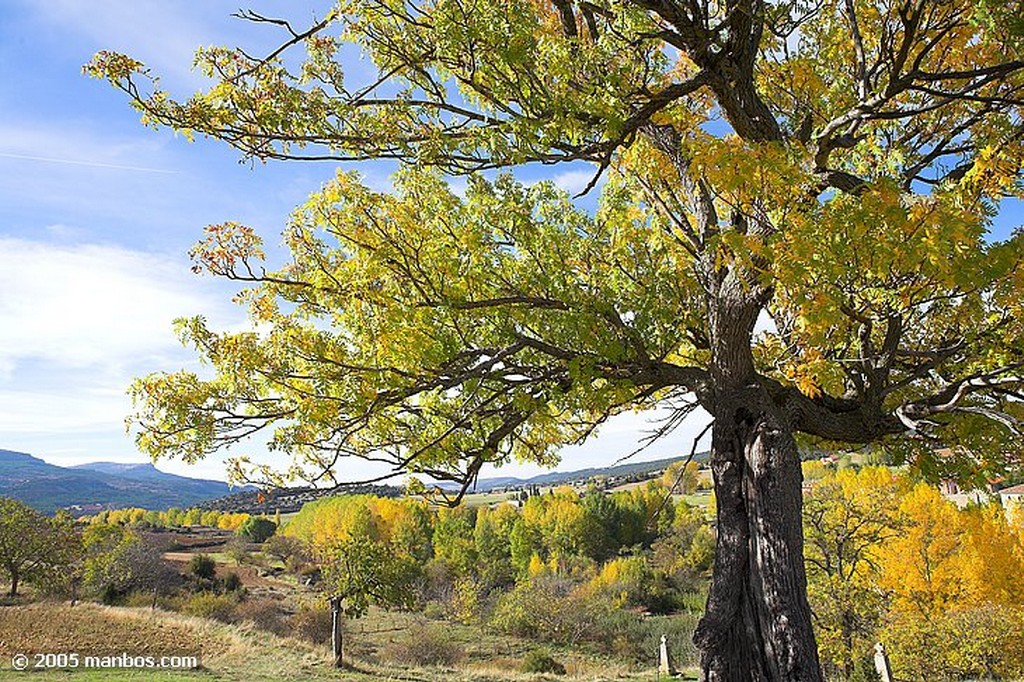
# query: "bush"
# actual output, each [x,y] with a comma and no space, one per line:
[552,609]
[312,624]
[147,599]
[238,550]
[265,614]
[540,661]
[641,639]
[291,551]
[232,583]
[425,645]
[203,567]
[985,640]
[212,606]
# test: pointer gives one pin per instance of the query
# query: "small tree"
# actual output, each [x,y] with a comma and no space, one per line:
[848,516]
[32,546]
[681,477]
[238,550]
[257,529]
[119,561]
[360,571]
[286,548]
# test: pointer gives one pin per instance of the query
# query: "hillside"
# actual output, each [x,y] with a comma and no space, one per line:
[243,652]
[631,470]
[292,499]
[100,485]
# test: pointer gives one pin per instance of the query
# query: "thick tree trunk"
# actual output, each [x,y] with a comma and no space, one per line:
[14,585]
[757,625]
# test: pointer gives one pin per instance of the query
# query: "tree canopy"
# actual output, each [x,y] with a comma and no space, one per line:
[34,547]
[828,169]
[867,146]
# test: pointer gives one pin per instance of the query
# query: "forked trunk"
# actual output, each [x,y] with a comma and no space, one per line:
[757,626]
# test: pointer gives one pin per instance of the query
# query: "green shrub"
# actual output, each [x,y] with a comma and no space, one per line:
[627,635]
[203,567]
[425,645]
[434,610]
[540,661]
[257,529]
[552,609]
[208,605]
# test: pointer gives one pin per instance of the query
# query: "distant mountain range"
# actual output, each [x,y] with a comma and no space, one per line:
[89,487]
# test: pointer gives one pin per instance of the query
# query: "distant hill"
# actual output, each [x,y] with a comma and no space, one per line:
[99,485]
[292,499]
[631,470]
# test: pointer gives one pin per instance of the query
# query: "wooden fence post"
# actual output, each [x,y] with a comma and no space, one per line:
[336,631]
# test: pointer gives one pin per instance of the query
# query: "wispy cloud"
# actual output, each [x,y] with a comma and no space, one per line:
[576,180]
[77,323]
[90,305]
[77,162]
[163,35]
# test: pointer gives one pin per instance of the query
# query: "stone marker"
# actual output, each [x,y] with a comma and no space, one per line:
[882,663]
[665,664]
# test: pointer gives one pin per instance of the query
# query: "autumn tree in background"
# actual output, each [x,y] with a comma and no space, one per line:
[370,548]
[955,580]
[35,548]
[849,516]
[829,168]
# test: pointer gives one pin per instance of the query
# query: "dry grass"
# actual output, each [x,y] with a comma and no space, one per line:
[244,653]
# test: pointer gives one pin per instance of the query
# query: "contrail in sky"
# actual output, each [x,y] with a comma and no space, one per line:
[93,164]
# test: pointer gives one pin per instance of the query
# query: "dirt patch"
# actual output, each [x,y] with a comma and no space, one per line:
[250,575]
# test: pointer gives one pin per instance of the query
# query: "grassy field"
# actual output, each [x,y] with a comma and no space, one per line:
[243,653]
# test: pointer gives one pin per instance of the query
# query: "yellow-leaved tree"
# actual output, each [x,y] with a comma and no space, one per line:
[830,165]
[956,583]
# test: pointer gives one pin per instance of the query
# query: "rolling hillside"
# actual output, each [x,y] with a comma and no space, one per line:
[49,488]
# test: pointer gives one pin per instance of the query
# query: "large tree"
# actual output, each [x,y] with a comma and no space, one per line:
[826,168]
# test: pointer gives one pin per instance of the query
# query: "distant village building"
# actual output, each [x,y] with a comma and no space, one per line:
[1012,496]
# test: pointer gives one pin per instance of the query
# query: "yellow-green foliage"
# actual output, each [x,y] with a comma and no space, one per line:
[942,587]
[403,525]
[173,517]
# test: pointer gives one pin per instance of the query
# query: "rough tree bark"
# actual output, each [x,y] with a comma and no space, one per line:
[757,625]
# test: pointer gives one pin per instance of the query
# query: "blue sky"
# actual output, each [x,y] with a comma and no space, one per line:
[97,214]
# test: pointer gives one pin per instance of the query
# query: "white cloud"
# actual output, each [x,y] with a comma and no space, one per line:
[90,305]
[576,180]
[77,323]
[65,232]
[31,412]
